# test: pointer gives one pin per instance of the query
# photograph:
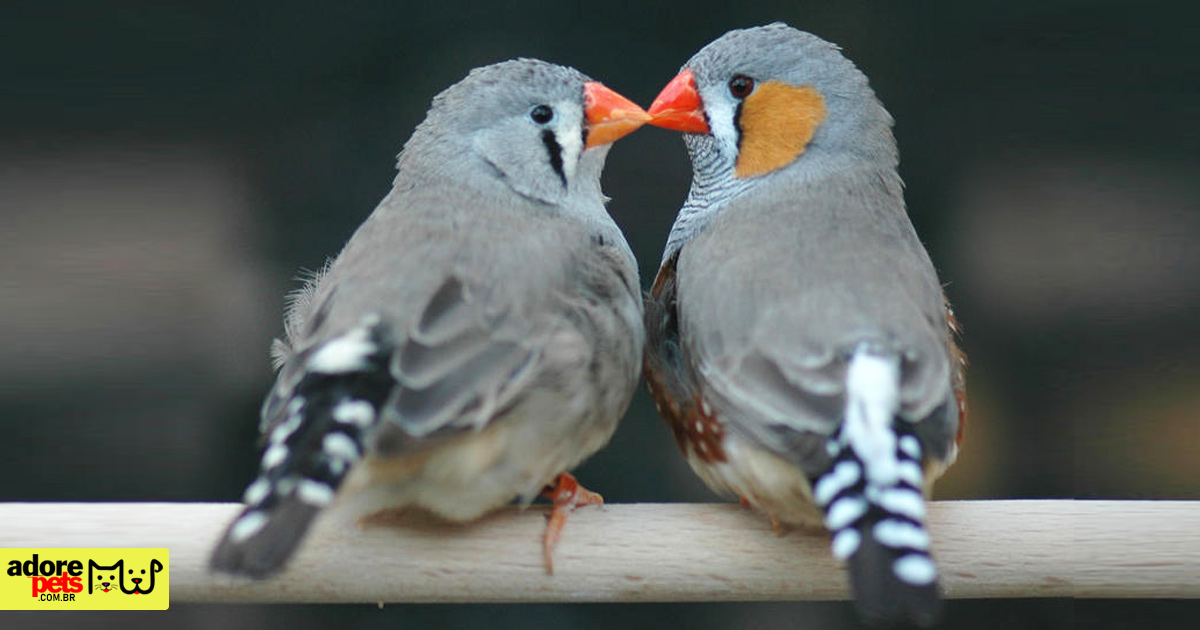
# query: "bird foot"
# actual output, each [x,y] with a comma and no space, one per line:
[566,494]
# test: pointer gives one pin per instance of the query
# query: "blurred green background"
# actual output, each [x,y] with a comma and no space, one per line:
[165,172]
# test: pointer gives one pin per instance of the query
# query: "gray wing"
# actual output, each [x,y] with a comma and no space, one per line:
[454,368]
[460,364]
[774,297]
[475,318]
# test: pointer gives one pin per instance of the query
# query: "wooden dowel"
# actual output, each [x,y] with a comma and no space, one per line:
[647,552]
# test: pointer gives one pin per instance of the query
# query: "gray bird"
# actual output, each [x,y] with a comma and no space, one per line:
[479,334]
[798,341]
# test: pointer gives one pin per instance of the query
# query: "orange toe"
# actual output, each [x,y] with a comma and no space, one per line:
[567,494]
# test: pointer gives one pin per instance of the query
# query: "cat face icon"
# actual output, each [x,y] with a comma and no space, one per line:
[104,581]
[132,581]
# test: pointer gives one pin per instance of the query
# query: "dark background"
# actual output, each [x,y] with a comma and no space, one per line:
[166,172]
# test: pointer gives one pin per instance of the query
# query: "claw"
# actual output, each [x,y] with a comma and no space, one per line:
[567,494]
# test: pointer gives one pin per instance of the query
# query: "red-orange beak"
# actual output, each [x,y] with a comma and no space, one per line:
[610,116]
[678,106]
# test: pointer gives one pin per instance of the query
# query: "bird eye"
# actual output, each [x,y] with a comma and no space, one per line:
[541,114]
[741,86]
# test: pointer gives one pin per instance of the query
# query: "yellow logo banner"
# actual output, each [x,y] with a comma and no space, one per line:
[84,579]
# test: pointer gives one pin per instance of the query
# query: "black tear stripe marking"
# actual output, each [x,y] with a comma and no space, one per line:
[737,124]
[555,151]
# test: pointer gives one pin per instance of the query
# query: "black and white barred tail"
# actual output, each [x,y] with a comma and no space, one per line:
[873,502]
[309,453]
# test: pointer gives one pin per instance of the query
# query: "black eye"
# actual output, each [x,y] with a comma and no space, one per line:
[541,114]
[741,86]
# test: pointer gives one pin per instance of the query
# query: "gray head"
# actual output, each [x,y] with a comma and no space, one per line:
[538,129]
[768,100]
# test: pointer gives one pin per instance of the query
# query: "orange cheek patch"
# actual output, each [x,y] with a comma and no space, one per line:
[778,121]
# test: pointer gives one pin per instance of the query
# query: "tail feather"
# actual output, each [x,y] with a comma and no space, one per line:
[873,502]
[308,455]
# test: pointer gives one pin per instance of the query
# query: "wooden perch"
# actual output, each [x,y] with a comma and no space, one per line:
[647,552]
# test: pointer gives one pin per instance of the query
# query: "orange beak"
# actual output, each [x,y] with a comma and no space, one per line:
[678,106]
[610,116]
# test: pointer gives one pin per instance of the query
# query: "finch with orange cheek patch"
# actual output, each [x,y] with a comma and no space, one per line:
[798,341]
